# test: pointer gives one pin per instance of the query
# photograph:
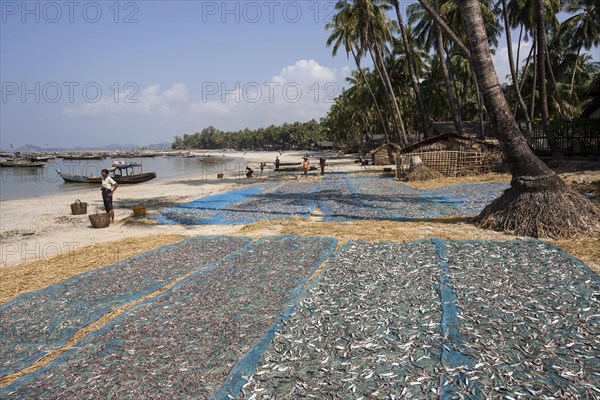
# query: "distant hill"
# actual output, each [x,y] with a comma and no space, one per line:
[30,148]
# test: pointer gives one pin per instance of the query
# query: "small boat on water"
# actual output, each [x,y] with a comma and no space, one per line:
[21,164]
[121,172]
[83,157]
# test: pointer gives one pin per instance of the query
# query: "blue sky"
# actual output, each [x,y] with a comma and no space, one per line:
[94,73]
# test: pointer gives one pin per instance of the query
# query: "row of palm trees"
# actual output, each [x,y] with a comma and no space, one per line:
[421,69]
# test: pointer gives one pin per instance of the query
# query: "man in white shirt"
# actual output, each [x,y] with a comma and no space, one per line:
[108,189]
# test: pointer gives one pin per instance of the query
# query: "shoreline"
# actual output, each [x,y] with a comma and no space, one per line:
[40,227]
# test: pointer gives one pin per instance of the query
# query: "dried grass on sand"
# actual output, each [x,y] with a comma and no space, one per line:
[36,275]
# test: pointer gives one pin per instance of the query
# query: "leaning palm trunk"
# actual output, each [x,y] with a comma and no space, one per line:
[534,84]
[559,99]
[541,65]
[538,203]
[456,117]
[396,107]
[513,69]
[523,78]
[387,85]
[423,119]
[375,102]
[575,69]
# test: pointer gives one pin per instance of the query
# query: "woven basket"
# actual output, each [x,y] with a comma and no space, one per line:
[79,208]
[100,220]
[139,211]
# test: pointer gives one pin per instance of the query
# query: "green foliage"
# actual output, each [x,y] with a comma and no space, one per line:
[355,115]
[297,135]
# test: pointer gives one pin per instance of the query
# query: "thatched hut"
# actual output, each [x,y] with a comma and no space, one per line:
[592,111]
[385,154]
[452,154]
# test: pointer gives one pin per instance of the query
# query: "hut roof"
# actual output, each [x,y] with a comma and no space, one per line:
[445,136]
[592,91]
[395,145]
[470,128]
[594,88]
[325,143]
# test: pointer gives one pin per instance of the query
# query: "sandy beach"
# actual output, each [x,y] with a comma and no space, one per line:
[37,228]
[43,244]
[40,228]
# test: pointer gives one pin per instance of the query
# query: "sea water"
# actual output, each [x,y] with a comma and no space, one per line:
[23,183]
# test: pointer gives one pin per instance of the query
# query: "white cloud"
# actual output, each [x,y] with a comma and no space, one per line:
[150,102]
[299,92]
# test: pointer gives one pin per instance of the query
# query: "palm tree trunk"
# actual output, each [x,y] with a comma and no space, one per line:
[439,21]
[538,203]
[377,56]
[561,106]
[524,76]
[574,70]
[479,104]
[541,65]
[378,69]
[513,70]
[456,117]
[423,119]
[383,121]
[534,84]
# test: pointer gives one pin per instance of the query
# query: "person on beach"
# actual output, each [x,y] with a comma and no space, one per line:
[305,166]
[249,172]
[363,162]
[109,186]
[262,167]
[322,165]
[276,162]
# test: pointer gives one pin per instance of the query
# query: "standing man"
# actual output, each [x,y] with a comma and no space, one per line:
[109,186]
[305,166]
[322,165]
[276,162]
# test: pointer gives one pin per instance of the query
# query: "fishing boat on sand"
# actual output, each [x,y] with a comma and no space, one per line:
[121,172]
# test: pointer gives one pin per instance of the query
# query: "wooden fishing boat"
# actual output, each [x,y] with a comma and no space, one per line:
[21,164]
[83,157]
[121,172]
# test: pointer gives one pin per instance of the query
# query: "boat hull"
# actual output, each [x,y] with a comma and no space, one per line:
[11,164]
[137,178]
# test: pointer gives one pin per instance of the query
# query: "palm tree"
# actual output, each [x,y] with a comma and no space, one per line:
[371,24]
[538,203]
[511,62]
[343,34]
[431,35]
[422,111]
[582,28]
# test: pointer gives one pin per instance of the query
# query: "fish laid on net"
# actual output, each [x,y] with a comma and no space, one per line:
[369,327]
[184,342]
[284,202]
[530,320]
[34,324]
[339,197]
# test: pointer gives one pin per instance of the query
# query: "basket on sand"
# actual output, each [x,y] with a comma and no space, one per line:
[100,220]
[139,211]
[79,208]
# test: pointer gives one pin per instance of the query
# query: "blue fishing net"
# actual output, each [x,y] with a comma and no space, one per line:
[34,324]
[340,197]
[186,341]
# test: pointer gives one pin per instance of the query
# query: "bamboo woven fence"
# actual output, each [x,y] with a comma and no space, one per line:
[451,162]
